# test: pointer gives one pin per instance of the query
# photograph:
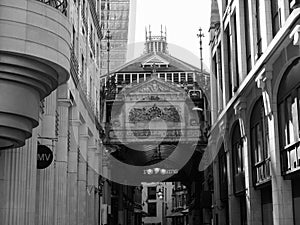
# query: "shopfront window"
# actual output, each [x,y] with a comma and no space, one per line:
[260,144]
[289,113]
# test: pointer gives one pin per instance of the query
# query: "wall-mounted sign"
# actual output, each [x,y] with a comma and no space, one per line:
[44,157]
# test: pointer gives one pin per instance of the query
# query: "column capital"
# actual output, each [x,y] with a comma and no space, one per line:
[223,131]
[240,111]
[295,35]
[263,81]
[84,136]
[92,147]
[76,123]
[240,107]
[65,102]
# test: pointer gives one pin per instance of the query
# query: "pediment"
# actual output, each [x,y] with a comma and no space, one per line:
[153,86]
[155,59]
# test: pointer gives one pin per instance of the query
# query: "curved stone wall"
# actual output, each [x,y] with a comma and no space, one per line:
[34,60]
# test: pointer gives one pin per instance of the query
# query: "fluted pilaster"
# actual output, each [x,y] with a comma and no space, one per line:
[60,211]
[18,184]
[82,177]
[45,177]
[73,155]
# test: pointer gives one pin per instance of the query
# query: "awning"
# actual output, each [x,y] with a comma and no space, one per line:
[174,214]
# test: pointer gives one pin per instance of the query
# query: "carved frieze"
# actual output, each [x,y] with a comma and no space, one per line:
[145,114]
[153,87]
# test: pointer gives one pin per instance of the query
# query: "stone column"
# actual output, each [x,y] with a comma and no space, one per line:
[60,198]
[98,173]
[18,183]
[281,189]
[45,177]
[82,176]
[91,184]
[73,157]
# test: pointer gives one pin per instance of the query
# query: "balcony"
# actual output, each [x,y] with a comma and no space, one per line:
[60,5]
[34,59]
[290,159]
[262,172]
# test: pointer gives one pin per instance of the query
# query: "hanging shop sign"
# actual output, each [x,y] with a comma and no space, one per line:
[44,157]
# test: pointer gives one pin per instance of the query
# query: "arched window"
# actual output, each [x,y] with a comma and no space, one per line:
[237,159]
[223,175]
[260,144]
[289,122]
[237,149]
[238,171]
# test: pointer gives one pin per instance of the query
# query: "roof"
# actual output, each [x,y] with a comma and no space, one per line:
[173,64]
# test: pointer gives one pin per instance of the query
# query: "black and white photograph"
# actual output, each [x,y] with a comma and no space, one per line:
[149,112]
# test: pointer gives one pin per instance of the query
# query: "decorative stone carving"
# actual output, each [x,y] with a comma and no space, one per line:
[223,132]
[153,87]
[169,113]
[240,111]
[263,81]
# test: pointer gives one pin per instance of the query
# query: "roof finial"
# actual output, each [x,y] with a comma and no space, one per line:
[146,33]
[165,32]
[161,31]
[149,32]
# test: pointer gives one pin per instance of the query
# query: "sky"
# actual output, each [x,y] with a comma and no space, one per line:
[182,18]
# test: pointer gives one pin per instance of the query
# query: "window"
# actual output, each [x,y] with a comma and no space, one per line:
[247,36]
[176,77]
[134,77]
[258,30]
[276,20]
[182,78]
[228,37]
[223,174]
[152,209]
[237,148]
[127,78]
[169,76]
[236,61]
[215,70]
[151,193]
[141,77]
[289,114]
[190,78]
[238,162]
[260,143]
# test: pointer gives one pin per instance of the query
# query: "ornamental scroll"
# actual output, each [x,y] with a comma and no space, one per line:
[144,114]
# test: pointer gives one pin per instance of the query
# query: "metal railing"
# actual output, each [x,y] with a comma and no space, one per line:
[60,5]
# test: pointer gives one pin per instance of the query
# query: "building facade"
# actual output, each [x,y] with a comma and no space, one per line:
[157,111]
[50,135]
[255,112]
[157,203]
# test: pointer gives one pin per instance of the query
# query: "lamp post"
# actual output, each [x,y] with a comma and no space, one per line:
[200,35]
[108,37]
[161,196]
